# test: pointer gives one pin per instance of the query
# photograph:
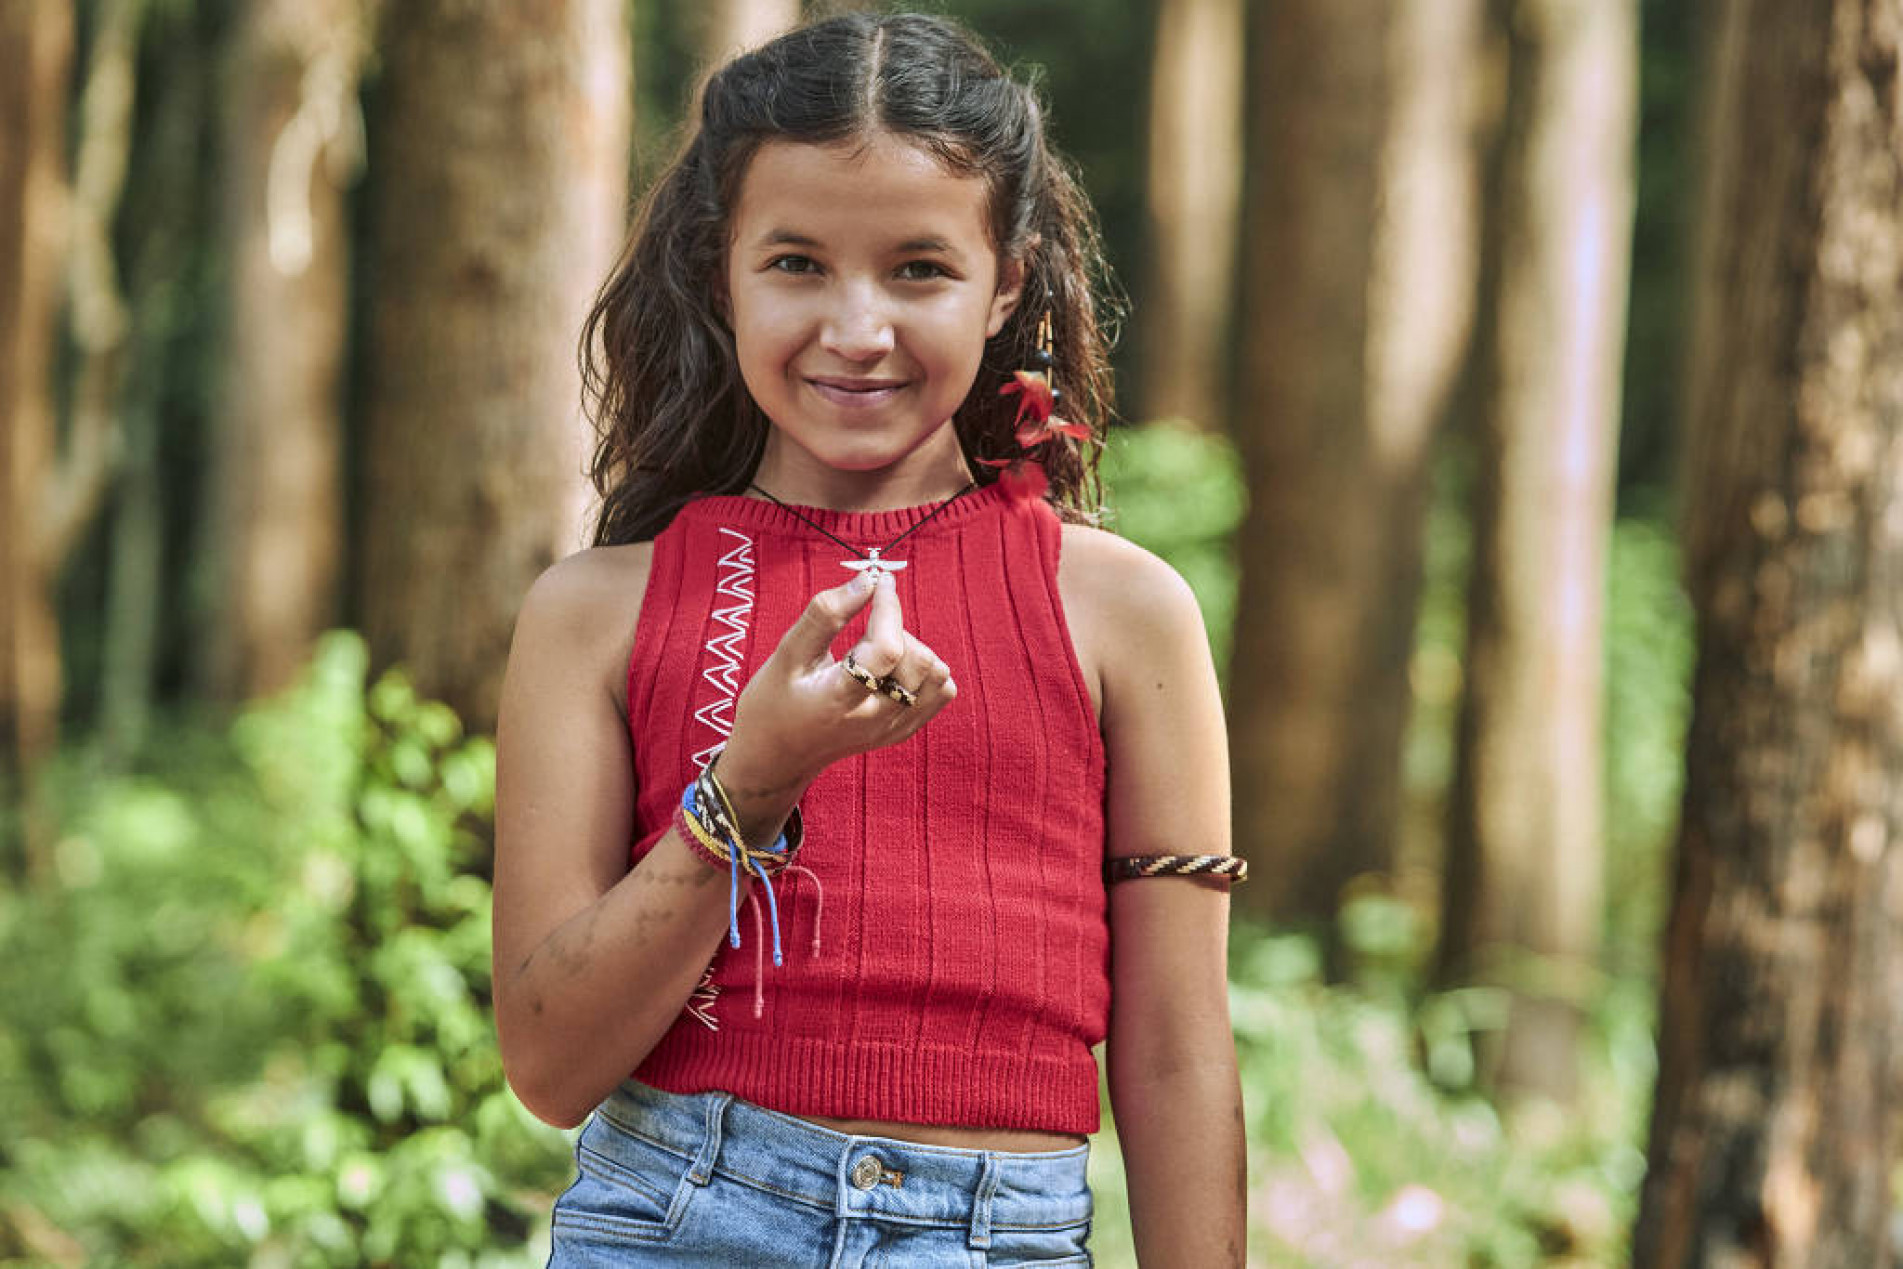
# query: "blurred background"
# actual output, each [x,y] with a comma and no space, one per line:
[289,298]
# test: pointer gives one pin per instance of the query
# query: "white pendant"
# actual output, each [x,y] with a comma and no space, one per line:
[873,564]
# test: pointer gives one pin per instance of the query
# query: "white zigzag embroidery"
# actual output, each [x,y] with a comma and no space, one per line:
[721,667]
[700,1003]
[721,657]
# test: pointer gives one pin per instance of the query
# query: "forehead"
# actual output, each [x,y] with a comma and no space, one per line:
[875,189]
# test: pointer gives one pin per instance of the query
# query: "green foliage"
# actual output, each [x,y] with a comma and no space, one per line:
[1649,654]
[1369,1143]
[1180,494]
[250,1021]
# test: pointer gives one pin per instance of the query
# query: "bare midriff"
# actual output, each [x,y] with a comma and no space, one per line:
[1005,1139]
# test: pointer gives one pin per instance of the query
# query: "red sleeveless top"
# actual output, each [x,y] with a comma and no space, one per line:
[962,974]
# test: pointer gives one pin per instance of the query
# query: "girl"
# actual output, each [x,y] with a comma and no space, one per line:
[843,679]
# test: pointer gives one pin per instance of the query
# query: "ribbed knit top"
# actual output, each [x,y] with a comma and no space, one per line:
[962,974]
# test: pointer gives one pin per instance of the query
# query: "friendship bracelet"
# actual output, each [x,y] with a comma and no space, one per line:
[712,847]
[717,805]
[726,821]
[707,818]
[704,844]
[1134,867]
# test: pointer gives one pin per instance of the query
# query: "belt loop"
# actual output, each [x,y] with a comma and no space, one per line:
[981,1203]
[702,1171]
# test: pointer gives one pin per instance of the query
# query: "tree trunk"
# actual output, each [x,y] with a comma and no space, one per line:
[36,37]
[732,27]
[1774,1133]
[500,197]
[274,539]
[1522,898]
[1194,176]
[166,181]
[1357,272]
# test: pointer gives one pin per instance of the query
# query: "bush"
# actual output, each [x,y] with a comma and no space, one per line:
[249,1022]
[1369,1143]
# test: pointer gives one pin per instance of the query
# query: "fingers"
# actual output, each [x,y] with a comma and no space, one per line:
[886,655]
[918,678]
[826,615]
[885,638]
[920,670]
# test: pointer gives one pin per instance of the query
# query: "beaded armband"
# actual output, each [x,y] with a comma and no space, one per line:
[1134,867]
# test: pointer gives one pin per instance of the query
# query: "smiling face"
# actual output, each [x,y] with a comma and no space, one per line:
[862,284]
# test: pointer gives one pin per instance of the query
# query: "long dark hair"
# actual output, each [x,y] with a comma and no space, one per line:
[660,378]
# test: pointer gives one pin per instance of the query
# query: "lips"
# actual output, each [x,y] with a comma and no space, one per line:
[856,393]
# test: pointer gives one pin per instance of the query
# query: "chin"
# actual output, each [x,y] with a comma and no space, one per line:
[868,459]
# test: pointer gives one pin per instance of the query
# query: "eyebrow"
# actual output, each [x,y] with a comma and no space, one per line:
[790,238]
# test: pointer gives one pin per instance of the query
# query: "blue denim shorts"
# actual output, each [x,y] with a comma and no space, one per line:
[708,1179]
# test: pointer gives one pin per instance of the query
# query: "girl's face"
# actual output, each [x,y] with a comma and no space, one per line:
[862,285]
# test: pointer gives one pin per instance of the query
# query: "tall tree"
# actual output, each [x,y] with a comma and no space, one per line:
[499,182]
[1358,280]
[1774,1133]
[55,235]
[273,544]
[37,39]
[163,244]
[731,27]
[1521,902]
[1193,178]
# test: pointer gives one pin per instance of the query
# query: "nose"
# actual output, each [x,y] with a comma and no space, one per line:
[856,326]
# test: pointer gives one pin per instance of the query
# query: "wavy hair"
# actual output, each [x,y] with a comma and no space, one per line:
[661,382]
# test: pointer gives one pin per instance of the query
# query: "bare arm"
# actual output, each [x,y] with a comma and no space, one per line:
[1174,1087]
[594,960]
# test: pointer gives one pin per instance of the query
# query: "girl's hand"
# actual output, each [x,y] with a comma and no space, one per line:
[802,712]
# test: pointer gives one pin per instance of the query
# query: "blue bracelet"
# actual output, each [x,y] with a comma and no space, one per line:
[723,830]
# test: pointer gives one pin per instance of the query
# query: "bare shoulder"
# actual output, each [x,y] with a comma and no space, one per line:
[583,609]
[1125,607]
[1108,581]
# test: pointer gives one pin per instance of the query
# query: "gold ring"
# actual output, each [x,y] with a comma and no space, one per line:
[893,689]
[861,675]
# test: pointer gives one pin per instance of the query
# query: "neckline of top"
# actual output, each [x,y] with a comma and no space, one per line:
[873,527]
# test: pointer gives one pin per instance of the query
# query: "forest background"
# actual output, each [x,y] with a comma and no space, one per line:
[1463,366]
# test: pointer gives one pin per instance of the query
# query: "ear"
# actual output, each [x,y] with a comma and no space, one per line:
[1011,275]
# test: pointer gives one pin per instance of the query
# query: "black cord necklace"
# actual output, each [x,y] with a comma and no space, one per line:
[872,560]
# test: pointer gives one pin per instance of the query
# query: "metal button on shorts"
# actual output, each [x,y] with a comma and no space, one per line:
[867,1172]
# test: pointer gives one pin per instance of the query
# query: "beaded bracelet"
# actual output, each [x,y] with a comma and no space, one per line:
[1134,867]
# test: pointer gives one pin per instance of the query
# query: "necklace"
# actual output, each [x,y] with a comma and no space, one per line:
[871,560]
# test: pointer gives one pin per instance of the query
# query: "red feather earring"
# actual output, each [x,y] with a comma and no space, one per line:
[1037,423]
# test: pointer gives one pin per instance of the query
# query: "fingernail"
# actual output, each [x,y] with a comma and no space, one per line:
[862,581]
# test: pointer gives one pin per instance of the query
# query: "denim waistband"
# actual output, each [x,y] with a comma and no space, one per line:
[857,1176]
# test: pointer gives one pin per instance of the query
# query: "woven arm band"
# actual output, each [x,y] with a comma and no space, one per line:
[1132,867]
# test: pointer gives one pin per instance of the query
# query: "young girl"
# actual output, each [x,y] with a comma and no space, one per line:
[813,771]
